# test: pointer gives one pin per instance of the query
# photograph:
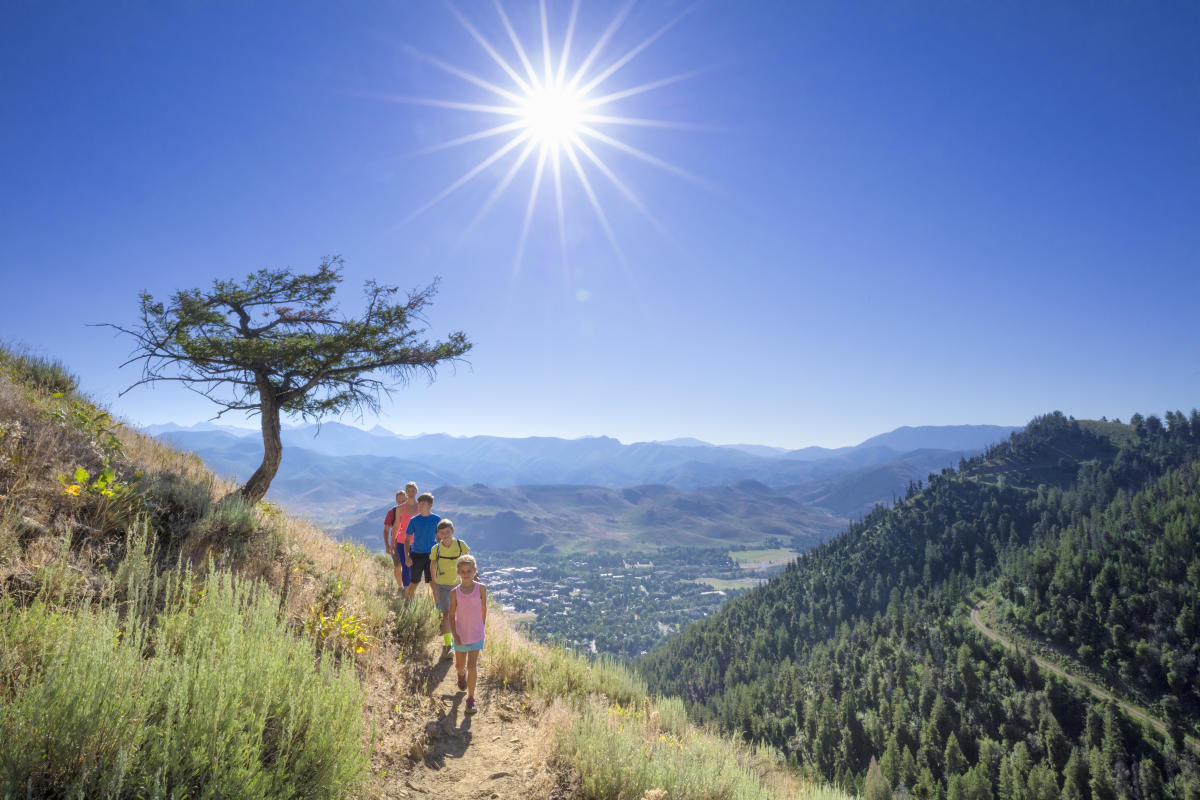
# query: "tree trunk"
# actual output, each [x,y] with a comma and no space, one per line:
[256,488]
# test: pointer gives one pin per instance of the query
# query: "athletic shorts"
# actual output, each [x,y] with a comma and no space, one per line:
[420,568]
[443,595]
[466,648]
[405,572]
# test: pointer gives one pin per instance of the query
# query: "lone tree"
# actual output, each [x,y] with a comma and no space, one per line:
[275,344]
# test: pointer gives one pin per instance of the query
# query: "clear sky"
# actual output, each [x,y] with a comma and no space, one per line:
[880,214]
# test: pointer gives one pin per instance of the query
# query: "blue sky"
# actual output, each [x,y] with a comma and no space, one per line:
[904,213]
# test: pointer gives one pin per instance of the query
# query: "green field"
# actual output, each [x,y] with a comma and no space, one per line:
[725,584]
[757,559]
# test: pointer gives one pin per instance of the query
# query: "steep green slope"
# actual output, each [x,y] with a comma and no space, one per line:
[862,648]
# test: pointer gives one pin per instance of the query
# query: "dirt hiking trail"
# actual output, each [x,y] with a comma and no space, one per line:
[489,754]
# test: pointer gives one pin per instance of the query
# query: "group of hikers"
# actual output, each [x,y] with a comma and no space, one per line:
[423,548]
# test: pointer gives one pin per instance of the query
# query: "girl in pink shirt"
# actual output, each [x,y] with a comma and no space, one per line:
[468,613]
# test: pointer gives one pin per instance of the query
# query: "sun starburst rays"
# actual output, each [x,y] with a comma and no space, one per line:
[555,110]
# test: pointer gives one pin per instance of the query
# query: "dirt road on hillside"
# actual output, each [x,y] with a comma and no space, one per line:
[1050,666]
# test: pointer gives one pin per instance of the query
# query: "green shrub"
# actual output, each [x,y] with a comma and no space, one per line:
[416,621]
[672,715]
[178,502]
[233,519]
[44,374]
[210,696]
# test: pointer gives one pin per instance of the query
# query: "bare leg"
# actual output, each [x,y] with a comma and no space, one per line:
[460,663]
[472,671]
[398,571]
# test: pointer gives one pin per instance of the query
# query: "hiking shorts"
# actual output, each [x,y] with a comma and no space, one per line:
[443,595]
[420,568]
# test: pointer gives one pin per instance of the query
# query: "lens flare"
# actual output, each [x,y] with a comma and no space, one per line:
[554,115]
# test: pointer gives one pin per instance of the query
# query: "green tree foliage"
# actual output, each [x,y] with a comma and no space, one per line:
[876,786]
[275,344]
[1086,534]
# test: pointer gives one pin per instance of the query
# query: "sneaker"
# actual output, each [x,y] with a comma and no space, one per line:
[471,706]
[462,681]
[447,653]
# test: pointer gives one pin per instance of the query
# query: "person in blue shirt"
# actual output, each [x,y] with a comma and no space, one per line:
[422,534]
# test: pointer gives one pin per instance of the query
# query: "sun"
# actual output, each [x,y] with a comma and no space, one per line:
[553,116]
[560,119]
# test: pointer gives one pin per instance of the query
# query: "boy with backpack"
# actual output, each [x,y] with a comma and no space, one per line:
[444,560]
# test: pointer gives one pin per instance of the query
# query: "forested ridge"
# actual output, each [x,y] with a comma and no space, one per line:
[1083,534]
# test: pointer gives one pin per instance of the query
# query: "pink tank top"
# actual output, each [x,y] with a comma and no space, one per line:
[402,526]
[468,615]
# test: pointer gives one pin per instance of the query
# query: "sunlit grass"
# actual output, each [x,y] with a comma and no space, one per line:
[648,750]
[179,685]
[778,555]
[548,672]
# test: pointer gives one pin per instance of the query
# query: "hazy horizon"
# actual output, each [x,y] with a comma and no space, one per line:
[250,429]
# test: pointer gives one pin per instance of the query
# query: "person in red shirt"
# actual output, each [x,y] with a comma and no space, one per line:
[394,526]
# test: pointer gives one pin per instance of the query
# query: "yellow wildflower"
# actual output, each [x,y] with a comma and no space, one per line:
[73,489]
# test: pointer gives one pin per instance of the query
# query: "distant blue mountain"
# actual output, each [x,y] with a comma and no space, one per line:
[336,471]
[171,427]
[942,437]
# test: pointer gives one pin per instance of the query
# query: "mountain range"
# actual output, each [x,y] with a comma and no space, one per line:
[342,476]
[598,519]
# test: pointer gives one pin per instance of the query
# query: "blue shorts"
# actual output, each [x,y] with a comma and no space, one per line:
[405,570]
[466,648]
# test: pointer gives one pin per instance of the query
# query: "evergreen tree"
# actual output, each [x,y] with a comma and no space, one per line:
[1042,783]
[1150,779]
[876,786]
[1100,779]
[275,344]
[954,760]
[889,764]
[1075,777]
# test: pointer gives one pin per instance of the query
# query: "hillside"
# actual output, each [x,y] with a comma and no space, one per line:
[1086,537]
[855,493]
[159,638]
